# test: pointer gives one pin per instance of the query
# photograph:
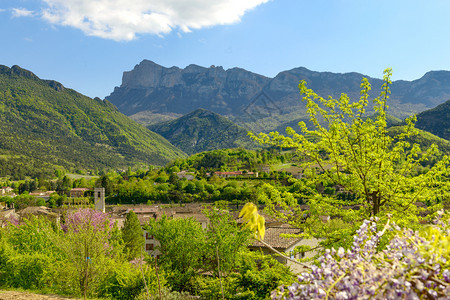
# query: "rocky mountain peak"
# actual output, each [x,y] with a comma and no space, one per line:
[237,93]
[18,71]
[184,90]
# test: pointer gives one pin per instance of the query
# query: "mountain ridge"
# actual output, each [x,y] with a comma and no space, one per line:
[50,126]
[236,93]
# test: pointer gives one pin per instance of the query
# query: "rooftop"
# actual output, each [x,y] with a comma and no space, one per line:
[273,237]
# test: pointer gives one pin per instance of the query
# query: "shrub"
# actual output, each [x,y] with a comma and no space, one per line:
[414,265]
[29,271]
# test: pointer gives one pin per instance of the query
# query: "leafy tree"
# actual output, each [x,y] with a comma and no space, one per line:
[357,154]
[86,244]
[182,243]
[24,200]
[27,257]
[127,280]
[133,236]
[224,241]
[105,182]
[258,275]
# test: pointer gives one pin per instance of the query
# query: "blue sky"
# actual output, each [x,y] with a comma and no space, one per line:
[87,44]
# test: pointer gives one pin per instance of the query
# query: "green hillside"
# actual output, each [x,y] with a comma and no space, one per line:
[436,120]
[390,120]
[203,130]
[424,138]
[44,125]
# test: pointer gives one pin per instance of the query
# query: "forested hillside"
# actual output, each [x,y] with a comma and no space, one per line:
[203,130]
[436,120]
[44,125]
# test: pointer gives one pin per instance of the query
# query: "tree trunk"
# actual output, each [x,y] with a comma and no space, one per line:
[375,203]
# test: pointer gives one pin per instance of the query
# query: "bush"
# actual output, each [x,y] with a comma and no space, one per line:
[125,281]
[413,265]
[29,271]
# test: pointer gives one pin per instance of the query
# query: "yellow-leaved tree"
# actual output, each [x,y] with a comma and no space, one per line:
[347,150]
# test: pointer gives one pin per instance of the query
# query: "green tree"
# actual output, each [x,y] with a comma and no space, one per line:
[258,275]
[133,236]
[357,153]
[86,244]
[105,182]
[27,257]
[182,244]
[24,200]
[225,242]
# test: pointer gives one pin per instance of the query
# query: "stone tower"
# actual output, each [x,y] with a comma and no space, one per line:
[99,199]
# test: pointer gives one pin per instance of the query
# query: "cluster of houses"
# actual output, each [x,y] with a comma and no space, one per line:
[274,229]
[274,236]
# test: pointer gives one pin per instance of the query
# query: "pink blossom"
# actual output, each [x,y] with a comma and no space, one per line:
[87,217]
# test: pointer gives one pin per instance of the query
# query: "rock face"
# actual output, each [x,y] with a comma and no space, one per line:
[247,97]
[151,87]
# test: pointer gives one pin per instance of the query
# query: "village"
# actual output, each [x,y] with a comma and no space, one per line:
[274,236]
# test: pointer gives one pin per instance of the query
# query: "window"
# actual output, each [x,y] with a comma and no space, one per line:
[148,247]
[148,236]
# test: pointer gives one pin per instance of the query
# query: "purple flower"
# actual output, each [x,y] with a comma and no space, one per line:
[401,270]
[87,217]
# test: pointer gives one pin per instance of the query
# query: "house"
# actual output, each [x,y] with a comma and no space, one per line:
[6,190]
[78,192]
[145,213]
[269,220]
[142,211]
[199,217]
[185,175]
[40,194]
[236,173]
[274,238]
[252,174]
[39,211]
[228,174]
[151,245]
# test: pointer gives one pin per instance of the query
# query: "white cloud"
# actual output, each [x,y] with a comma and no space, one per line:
[124,19]
[21,12]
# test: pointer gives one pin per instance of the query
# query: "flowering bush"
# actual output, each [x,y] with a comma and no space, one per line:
[86,243]
[414,265]
[86,217]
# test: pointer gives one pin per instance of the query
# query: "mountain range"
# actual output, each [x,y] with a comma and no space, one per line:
[44,126]
[254,101]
